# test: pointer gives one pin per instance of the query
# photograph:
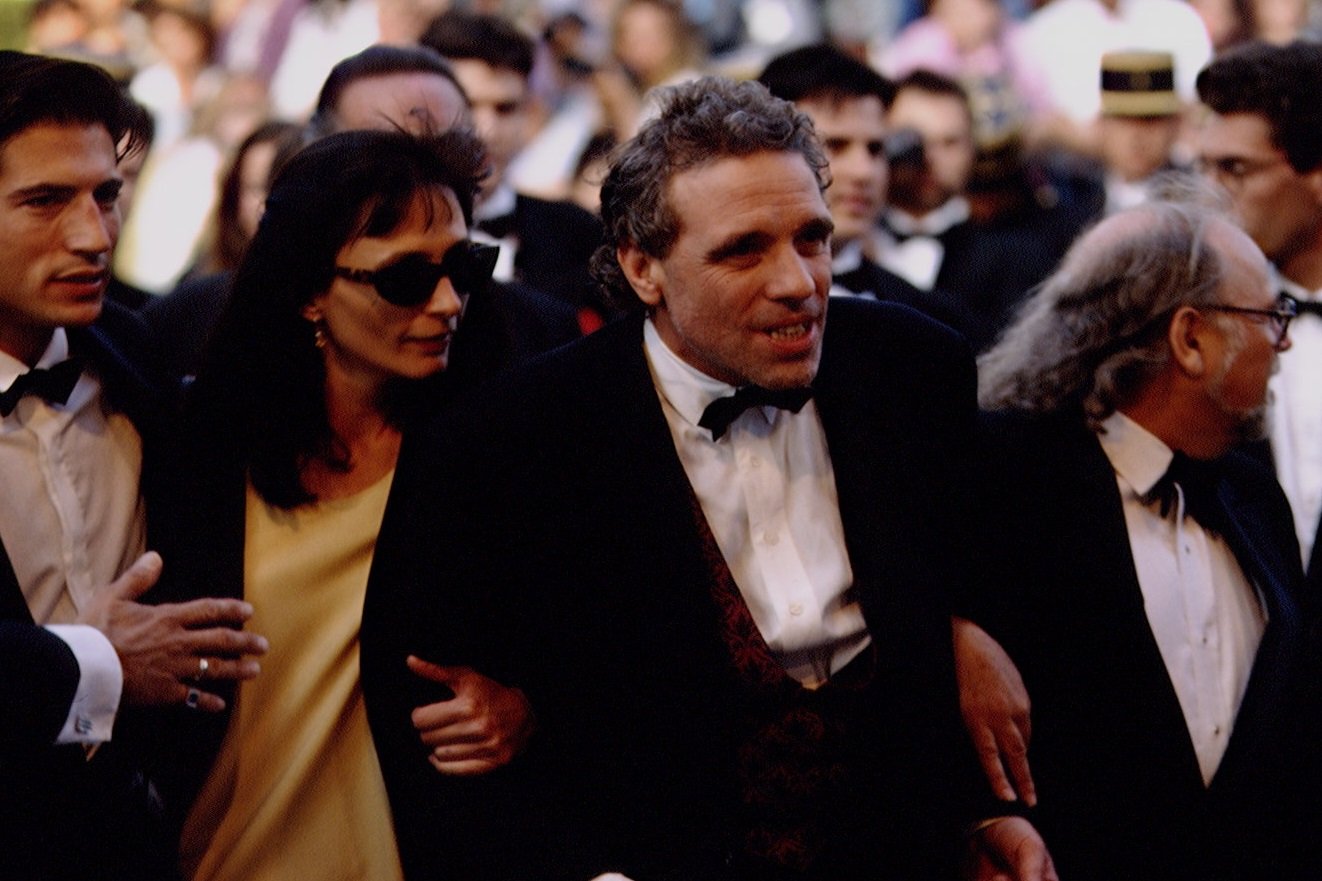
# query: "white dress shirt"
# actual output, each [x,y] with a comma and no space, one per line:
[72,520]
[917,259]
[1296,420]
[1206,616]
[501,202]
[767,489]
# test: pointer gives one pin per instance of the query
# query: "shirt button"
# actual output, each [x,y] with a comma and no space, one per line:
[796,609]
[770,538]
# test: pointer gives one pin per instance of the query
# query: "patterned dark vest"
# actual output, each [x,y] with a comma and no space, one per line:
[801,753]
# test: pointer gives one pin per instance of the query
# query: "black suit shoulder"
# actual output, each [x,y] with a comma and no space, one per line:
[556,242]
[182,322]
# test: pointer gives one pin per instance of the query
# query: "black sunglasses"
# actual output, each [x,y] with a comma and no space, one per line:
[411,280]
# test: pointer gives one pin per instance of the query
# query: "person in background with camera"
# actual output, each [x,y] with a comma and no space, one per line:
[931,238]
[846,101]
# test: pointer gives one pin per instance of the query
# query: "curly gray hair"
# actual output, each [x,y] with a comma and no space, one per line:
[700,121]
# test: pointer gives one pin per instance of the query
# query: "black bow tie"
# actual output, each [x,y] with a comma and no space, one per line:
[1198,481]
[54,384]
[501,227]
[1309,307]
[721,412]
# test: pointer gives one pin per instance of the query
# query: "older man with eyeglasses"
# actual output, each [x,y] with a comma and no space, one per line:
[1142,573]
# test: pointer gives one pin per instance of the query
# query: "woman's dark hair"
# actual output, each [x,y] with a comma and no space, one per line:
[230,240]
[261,395]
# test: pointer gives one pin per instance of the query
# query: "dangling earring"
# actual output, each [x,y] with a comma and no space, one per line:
[319,332]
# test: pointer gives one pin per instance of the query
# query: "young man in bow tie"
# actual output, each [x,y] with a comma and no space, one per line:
[81,469]
[1143,577]
[712,542]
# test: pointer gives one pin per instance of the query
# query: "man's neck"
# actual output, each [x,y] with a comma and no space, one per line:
[24,343]
[1304,268]
[1182,428]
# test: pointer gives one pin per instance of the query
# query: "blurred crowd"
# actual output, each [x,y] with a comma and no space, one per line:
[211,73]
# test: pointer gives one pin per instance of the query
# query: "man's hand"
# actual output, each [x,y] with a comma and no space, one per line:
[484,726]
[995,706]
[162,648]
[1010,849]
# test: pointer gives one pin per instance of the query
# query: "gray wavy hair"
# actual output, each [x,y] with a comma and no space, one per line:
[1094,334]
[699,122]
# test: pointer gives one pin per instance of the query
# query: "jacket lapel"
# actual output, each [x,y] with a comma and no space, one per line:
[1260,556]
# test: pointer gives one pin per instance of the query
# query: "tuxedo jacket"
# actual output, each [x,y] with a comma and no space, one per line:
[63,815]
[1262,452]
[1119,786]
[556,242]
[545,534]
[987,271]
[871,279]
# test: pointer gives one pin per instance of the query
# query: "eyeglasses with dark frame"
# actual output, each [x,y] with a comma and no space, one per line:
[1280,317]
[411,280]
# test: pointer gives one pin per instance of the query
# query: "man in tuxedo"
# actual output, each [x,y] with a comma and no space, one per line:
[985,267]
[846,101]
[712,542]
[545,244]
[83,464]
[1145,578]
[1262,141]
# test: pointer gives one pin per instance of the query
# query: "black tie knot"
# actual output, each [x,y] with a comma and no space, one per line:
[1197,479]
[721,412]
[499,227]
[1309,307]
[54,384]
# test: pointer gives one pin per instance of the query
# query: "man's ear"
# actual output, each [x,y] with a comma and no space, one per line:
[644,273]
[1314,179]
[1187,337]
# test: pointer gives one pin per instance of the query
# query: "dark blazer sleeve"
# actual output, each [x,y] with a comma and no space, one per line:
[37,688]
[442,587]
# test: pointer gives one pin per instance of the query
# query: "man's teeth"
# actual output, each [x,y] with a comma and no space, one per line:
[789,333]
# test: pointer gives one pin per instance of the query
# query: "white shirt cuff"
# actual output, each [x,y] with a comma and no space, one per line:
[100,684]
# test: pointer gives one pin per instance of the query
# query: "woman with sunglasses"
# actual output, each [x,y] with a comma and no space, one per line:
[333,348]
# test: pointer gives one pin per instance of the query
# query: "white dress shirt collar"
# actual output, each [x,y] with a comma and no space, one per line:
[498,204]
[1136,454]
[950,213]
[684,387]
[56,351]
